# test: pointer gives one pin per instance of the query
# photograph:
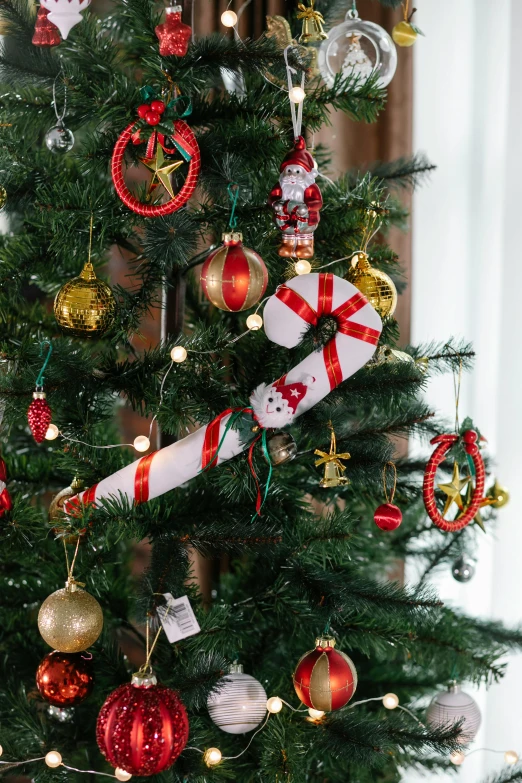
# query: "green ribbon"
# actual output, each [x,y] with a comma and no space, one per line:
[233,195]
[40,378]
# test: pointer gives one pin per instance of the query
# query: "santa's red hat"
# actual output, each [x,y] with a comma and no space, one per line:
[293,393]
[299,156]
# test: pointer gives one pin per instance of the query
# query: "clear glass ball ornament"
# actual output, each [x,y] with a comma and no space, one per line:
[59,139]
[356,48]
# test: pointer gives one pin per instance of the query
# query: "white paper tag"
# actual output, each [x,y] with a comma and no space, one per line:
[177,618]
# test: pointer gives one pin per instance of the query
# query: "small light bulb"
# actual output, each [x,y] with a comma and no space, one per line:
[1,750]
[302,267]
[296,94]
[53,759]
[254,322]
[274,704]
[511,757]
[212,756]
[120,774]
[315,714]
[229,18]
[141,443]
[178,354]
[52,432]
[457,757]
[390,701]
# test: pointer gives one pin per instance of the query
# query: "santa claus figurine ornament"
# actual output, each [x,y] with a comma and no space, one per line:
[296,201]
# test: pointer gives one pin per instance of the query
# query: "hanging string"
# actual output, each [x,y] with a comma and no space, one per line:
[60,117]
[385,483]
[40,379]
[233,192]
[353,13]
[90,236]
[457,378]
[297,114]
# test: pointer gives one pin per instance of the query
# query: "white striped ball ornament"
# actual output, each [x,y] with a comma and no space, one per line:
[238,704]
[451,706]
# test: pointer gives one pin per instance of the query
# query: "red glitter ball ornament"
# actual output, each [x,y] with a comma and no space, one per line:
[142,727]
[325,679]
[65,679]
[173,35]
[39,416]
[234,277]
[388,516]
[45,32]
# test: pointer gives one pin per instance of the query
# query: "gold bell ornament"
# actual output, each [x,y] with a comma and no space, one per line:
[312,24]
[333,467]
[85,306]
[497,495]
[377,287]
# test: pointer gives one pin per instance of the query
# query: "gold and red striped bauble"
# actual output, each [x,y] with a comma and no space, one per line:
[234,277]
[325,679]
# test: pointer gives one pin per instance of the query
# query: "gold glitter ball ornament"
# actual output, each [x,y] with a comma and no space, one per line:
[3,194]
[70,620]
[377,287]
[85,306]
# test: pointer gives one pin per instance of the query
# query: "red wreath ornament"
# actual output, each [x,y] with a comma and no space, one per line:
[183,139]
[471,447]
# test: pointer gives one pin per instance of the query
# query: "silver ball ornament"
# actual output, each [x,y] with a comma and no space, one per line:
[463,569]
[59,139]
[238,704]
[61,714]
[455,705]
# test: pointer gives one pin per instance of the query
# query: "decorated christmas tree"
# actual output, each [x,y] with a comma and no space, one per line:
[205,494]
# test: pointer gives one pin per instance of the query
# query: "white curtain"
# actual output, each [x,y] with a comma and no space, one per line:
[467,282]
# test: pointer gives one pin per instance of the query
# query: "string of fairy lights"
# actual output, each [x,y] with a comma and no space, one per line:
[213,756]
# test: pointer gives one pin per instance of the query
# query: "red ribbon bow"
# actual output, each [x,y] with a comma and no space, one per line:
[342,315]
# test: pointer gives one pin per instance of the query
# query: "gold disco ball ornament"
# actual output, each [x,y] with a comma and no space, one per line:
[85,306]
[70,620]
[376,286]
[3,191]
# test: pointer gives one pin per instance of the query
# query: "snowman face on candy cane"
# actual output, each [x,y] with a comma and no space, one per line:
[275,405]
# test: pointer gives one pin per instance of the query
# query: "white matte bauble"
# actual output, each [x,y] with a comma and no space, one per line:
[238,704]
[357,48]
[451,706]
[65,13]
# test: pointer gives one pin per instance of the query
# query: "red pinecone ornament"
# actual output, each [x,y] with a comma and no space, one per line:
[173,35]
[65,679]
[325,679]
[5,497]
[142,727]
[45,32]
[39,416]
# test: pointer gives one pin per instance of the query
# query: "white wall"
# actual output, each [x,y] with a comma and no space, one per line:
[467,282]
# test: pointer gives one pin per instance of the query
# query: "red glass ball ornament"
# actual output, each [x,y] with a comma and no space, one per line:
[234,277]
[158,107]
[39,416]
[65,679]
[173,35]
[388,516]
[325,678]
[143,110]
[142,727]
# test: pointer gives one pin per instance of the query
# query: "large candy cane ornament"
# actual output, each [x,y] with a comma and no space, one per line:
[288,313]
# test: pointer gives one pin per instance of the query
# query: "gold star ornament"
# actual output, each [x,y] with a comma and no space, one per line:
[453,489]
[161,171]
